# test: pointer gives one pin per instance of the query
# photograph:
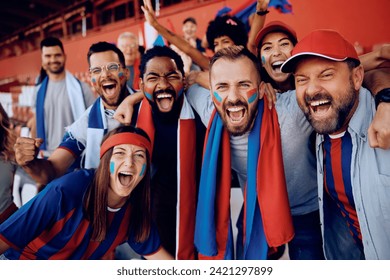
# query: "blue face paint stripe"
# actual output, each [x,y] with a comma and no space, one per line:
[262,59]
[252,98]
[93,80]
[149,96]
[143,170]
[112,167]
[120,74]
[217,97]
[181,92]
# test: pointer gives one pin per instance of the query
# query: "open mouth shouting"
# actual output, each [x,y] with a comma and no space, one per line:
[125,178]
[319,108]
[236,114]
[276,65]
[165,100]
[110,88]
[236,117]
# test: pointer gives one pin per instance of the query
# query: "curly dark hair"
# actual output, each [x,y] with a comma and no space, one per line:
[160,51]
[227,26]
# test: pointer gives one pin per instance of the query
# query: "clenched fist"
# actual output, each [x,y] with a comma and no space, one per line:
[26,149]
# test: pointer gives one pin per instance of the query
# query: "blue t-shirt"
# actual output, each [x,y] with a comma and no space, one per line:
[53,225]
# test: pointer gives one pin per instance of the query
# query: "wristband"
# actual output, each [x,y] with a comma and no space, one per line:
[382,96]
[262,13]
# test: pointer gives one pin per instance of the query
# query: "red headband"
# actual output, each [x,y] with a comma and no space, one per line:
[125,138]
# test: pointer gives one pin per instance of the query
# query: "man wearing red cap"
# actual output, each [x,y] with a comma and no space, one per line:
[353,178]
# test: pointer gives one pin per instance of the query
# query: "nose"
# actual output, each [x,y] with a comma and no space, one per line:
[233,95]
[276,51]
[163,83]
[129,161]
[105,72]
[312,87]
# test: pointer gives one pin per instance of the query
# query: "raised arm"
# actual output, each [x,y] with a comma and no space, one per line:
[257,24]
[379,131]
[380,58]
[41,170]
[124,112]
[196,56]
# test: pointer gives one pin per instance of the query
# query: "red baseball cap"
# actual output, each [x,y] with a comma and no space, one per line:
[323,43]
[275,26]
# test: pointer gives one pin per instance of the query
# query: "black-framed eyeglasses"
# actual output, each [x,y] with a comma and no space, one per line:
[111,67]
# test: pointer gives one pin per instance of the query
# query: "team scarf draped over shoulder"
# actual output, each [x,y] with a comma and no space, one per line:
[76,99]
[267,219]
[186,174]
[97,128]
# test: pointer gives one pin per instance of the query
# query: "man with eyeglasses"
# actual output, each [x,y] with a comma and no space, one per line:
[81,142]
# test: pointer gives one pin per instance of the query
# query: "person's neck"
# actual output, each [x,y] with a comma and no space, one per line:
[56,77]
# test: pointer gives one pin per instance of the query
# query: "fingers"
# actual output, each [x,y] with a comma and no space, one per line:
[26,149]
[124,117]
[270,93]
[38,142]
[372,138]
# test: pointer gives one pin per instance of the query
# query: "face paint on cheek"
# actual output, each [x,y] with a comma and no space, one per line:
[143,170]
[148,96]
[121,76]
[252,95]
[180,92]
[217,98]
[112,167]
[263,59]
[93,80]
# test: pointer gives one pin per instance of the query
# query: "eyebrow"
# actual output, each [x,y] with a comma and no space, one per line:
[245,82]
[120,148]
[165,74]
[281,39]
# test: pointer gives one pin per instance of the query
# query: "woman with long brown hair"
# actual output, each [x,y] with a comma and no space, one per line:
[86,214]
[7,166]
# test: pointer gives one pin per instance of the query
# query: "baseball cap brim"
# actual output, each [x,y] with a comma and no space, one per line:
[324,43]
[289,65]
[276,26]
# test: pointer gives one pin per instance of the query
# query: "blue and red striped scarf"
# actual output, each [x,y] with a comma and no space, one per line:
[186,174]
[267,217]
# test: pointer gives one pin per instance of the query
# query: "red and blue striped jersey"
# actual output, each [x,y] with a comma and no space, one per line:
[337,163]
[53,225]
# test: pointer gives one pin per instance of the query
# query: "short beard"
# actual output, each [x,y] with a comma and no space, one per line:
[340,116]
[58,71]
[122,95]
[238,131]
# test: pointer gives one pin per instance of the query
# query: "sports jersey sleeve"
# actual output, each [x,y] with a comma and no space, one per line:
[70,143]
[32,218]
[150,246]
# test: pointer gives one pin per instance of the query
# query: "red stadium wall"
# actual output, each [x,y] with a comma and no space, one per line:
[359,21]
